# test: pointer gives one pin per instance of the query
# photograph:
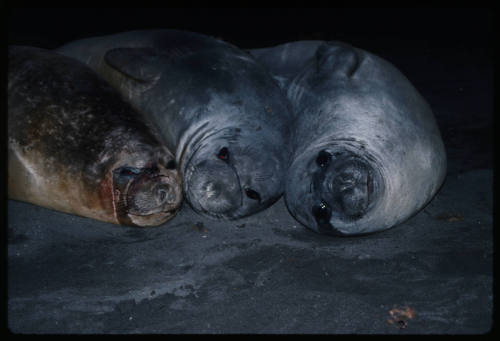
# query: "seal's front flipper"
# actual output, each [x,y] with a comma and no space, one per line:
[140,64]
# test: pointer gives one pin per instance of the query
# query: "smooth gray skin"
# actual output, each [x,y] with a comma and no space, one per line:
[367,150]
[204,95]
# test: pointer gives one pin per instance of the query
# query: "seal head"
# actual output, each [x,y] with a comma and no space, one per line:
[145,196]
[332,188]
[228,175]
[368,152]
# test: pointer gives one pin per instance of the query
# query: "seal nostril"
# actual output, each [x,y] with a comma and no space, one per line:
[212,189]
[252,194]
[162,193]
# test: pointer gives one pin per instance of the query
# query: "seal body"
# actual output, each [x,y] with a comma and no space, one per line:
[367,150]
[76,146]
[213,103]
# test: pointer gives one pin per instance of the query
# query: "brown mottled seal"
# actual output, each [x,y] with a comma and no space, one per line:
[368,152]
[213,103]
[77,147]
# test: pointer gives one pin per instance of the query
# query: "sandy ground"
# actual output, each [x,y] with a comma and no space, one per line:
[262,274]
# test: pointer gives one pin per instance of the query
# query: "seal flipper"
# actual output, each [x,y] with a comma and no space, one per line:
[137,63]
[338,58]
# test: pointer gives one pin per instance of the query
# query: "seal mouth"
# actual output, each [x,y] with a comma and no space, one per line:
[145,196]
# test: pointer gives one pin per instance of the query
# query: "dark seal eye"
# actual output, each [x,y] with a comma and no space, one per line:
[223,154]
[323,158]
[322,213]
[123,175]
[252,194]
[152,171]
[170,164]
[126,171]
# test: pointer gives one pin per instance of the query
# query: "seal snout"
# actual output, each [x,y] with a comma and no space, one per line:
[214,188]
[344,190]
[146,195]
[149,195]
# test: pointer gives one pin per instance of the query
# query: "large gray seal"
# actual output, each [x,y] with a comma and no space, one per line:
[368,152]
[76,146]
[212,102]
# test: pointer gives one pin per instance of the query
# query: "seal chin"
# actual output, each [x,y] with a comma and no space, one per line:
[213,188]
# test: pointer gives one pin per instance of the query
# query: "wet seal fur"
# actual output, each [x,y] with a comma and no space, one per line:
[75,146]
[367,150]
[213,103]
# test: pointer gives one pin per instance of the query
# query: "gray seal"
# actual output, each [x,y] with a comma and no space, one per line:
[368,153]
[74,145]
[218,108]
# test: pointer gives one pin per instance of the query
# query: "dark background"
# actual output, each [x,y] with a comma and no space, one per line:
[447,53]
[258,27]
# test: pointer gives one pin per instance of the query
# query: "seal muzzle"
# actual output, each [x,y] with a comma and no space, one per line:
[213,187]
[338,188]
[147,195]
